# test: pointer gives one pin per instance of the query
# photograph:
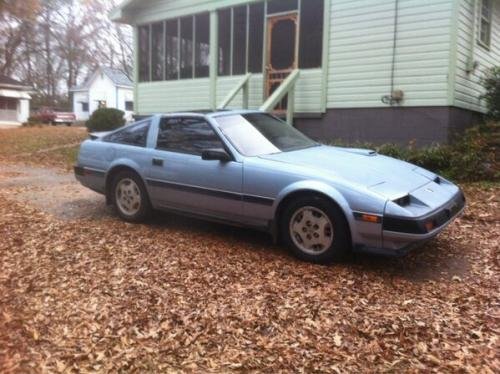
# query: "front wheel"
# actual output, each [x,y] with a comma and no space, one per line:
[315,230]
[130,197]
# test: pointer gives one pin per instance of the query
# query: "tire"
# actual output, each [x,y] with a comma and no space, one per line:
[130,197]
[315,230]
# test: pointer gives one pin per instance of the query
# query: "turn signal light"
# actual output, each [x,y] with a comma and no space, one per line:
[429,225]
[370,218]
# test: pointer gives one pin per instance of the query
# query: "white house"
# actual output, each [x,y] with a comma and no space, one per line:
[14,102]
[106,88]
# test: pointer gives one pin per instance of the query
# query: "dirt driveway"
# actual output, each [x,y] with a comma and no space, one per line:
[81,290]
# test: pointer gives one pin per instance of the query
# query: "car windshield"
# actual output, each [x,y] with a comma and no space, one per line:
[257,134]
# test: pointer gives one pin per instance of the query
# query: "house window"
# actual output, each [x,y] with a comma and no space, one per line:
[172,50]
[311,34]
[102,104]
[256,37]
[225,42]
[187,47]
[180,48]
[144,54]
[239,40]
[485,23]
[202,45]
[129,106]
[85,106]
[7,103]
[157,43]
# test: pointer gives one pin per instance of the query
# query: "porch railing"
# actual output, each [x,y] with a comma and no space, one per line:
[285,88]
[244,86]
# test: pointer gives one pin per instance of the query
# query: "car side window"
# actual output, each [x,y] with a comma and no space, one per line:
[136,135]
[187,135]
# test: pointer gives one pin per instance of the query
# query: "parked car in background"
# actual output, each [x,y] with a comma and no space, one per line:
[250,168]
[54,116]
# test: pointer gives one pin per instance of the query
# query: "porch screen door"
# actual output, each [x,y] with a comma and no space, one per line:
[282,51]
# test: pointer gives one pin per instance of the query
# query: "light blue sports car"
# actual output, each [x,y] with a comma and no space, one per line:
[249,168]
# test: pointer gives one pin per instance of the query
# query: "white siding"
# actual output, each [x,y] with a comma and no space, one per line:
[102,89]
[468,89]
[161,97]
[361,48]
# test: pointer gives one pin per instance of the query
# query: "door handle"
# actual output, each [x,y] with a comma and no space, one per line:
[157,162]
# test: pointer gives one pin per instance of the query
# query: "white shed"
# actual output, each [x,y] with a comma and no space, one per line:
[14,102]
[106,88]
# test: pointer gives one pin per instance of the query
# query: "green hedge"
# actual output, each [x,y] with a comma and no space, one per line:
[472,157]
[491,83]
[105,119]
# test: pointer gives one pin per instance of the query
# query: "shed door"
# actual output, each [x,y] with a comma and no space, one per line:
[282,51]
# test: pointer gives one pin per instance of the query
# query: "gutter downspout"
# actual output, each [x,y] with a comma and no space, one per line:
[394,97]
[471,63]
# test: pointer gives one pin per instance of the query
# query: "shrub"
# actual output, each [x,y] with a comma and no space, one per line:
[491,83]
[105,119]
[472,157]
[32,121]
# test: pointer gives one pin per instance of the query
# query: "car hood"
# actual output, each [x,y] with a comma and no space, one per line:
[387,176]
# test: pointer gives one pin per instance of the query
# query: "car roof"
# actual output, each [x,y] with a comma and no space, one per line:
[206,113]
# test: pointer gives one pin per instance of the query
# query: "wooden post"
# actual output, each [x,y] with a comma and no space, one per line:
[291,106]
[246,89]
[214,51]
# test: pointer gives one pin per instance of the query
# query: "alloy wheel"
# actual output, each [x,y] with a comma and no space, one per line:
[311,230]
[128,197]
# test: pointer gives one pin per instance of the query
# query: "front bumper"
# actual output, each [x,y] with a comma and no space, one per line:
[401,235]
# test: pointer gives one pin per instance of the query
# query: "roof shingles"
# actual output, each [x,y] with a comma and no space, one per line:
[11,82]
[118,77]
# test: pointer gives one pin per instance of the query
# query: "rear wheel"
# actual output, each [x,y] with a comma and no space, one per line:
[130,197]
[315,230]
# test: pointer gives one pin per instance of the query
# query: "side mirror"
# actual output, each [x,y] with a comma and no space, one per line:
[215,154]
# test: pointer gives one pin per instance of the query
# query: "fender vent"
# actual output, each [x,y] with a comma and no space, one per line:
[403,201]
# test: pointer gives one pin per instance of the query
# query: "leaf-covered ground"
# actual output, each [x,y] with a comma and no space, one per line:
[86,292]
[42,145]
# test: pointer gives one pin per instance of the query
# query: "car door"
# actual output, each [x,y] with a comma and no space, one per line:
[180,179]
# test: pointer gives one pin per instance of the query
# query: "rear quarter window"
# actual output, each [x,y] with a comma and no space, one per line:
[136,135]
